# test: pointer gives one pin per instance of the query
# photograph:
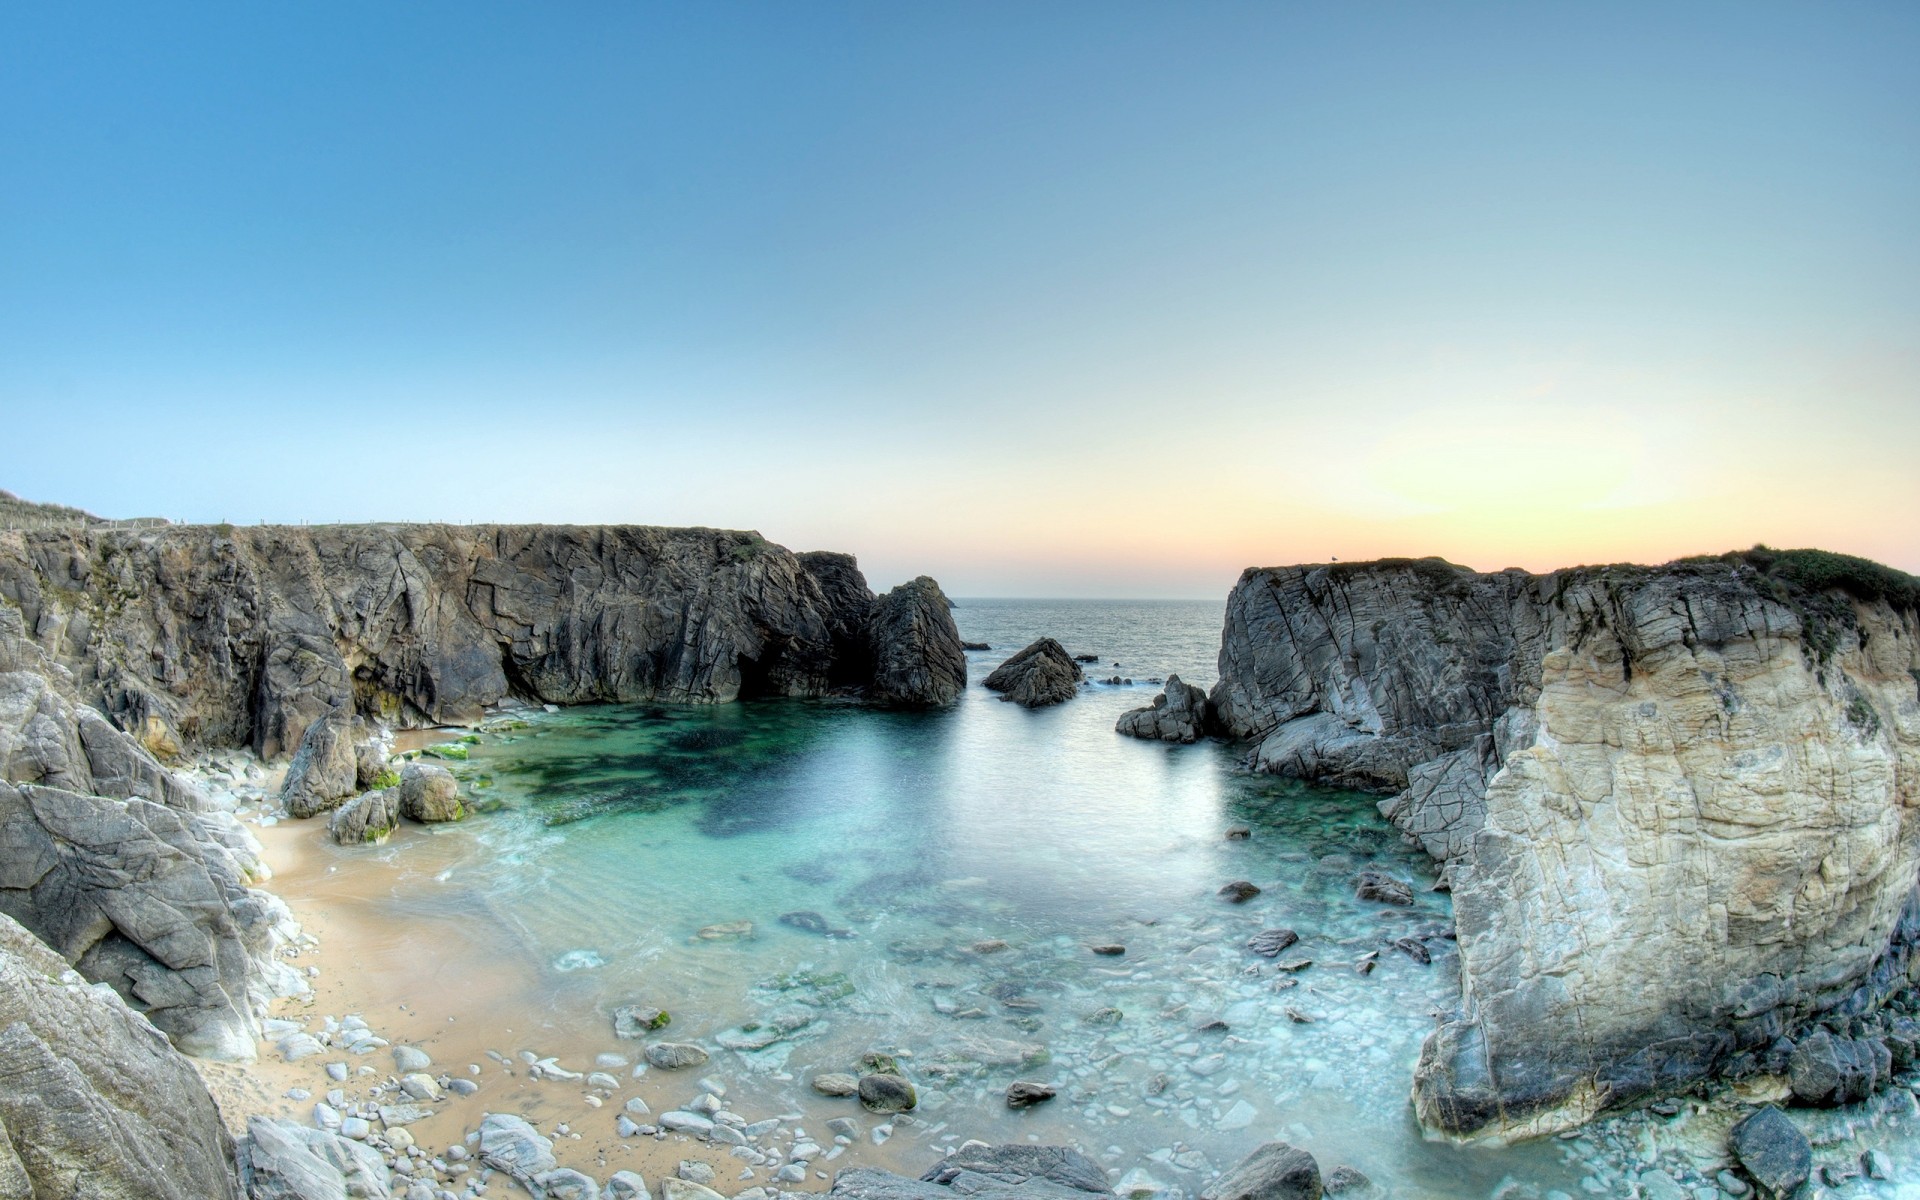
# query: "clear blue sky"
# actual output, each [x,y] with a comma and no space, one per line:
[1040,298]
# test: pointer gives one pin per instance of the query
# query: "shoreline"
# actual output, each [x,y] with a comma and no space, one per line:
[482,1048]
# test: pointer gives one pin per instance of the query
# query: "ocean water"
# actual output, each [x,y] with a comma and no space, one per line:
[955,868]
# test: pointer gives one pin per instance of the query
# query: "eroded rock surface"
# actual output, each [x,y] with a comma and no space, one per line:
[247,636]
[1180,713]
[1010,1172]
[91,1091]
[1693,787]
[1042,674]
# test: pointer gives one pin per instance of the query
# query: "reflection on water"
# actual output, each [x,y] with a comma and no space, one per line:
[930,885]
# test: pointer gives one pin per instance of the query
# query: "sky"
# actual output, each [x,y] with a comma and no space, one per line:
[1042,299]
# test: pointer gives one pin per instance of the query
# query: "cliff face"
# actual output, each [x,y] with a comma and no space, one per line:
[1677,806]
[247,635]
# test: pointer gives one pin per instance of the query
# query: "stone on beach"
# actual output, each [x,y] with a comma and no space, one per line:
[634,1021]
[887,1093]
[674,1056]
[1771,1149]
[508,1143]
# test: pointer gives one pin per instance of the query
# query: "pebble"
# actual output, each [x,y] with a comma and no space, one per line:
[411,1058]
[337,1071]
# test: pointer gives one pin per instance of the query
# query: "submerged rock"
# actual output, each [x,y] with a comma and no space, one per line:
[813,922]
[1772,1150]
[887,1093]
[1276,1171]
[1178,714]
[1026,1095]
[1380,886]
[1239,891]
[1042,674]
[1270,942]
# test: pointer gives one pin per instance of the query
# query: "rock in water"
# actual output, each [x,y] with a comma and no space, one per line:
[1773,1151]
[886,1093]
[366,819]
[280,1160]
[1270,942]
[428,794]
[1042,674]
[973,1169]
[675,1056]
[1380,886]
[836,1083]
[634,1021]
[325,770]
[94,1093]
[1178,714]
[917,659]
[1276,1171]
[1238,892]
[1619,748]
[1026,1095]
[1346,1179]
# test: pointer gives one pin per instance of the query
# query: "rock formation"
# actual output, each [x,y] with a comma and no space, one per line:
[1676,806]
[1181,713]
[915,647]
[92,1094]
[247,636]
[1042,674]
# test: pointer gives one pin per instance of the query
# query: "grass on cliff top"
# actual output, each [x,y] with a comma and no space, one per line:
[1823,570]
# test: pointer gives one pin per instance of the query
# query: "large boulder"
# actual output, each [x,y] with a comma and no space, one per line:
[1773,1151]
[152,901]
[428,794]
[92,1093]
[1178,714]
[325,770]
[367,819]
[1042,674]
[1275,1171]
[918,662]
[280,1160]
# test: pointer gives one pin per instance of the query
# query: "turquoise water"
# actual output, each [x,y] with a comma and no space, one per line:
[922,841]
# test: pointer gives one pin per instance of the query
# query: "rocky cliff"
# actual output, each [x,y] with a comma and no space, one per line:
[234,636]
[1676,806]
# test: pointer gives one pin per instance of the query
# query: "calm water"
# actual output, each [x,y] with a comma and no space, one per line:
[922,840]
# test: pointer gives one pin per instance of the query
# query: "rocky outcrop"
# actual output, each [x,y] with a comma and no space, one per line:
[1676,806]
[1179,714]
[915,646]
[93,1100]
[280,1160]
[1042,674]
[247,636]
[120,867]
[1275,1171]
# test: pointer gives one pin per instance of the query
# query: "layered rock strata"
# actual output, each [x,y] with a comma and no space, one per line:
[1676,806]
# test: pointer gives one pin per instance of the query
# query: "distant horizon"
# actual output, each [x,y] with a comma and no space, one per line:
[1079,299]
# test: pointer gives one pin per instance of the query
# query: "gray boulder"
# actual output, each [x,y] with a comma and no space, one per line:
[882,1092]
[1773,1151]
[428,794]
[1012,1172]
[93,1092]
[367,818]
[280,1160]
[917,659]
[1275,1171]
[626,1185]
[325,770]
[1179,714]
[675,1056]
[509,1144]
[1042,674]
[1826,1070]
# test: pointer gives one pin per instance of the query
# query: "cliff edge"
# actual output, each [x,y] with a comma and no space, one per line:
[1676,805]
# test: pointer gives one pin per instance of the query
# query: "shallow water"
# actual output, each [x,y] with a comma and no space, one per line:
[922,841]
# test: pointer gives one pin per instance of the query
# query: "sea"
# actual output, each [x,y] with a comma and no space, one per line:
[805,883]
